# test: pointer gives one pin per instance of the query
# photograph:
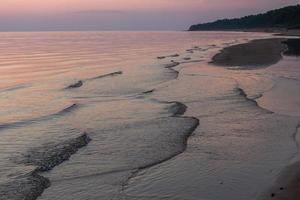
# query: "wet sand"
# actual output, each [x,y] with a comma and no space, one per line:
[287,187]
[256,54]
[235,153]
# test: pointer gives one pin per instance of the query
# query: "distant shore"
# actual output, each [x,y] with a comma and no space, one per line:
[274,31]
[292,32]
[283,18]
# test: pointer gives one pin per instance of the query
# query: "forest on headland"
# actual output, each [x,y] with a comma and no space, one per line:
[283,18]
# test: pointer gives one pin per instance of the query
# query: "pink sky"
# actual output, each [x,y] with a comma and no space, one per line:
[42,6]
[47,6]
[21,13]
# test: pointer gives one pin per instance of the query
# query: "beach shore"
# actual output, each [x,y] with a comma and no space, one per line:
[255,54]
[258,54]
[287,185]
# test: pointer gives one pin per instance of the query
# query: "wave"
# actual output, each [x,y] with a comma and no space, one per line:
[39,119]
[177,108]
[32,185]
[196,48]
[189,132]
[190,61]
[172,64]
[184,139]
[242,93]
[190,50]
[67,109]
[175,63]
[79,83]
[49,156]
[106,75]
[169,56]
[18,87]
[75,85]
[28,187]
[148,92]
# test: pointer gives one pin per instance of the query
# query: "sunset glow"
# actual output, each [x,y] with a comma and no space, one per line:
[40,6]
[149,99]
[130,14]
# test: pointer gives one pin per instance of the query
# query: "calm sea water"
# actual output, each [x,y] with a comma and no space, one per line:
[96,115]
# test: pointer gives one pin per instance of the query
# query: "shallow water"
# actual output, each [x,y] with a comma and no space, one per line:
[158,125]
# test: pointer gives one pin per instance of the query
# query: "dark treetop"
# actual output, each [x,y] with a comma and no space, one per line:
[287,17]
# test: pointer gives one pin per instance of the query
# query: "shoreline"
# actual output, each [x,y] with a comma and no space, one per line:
[258,54]
[252,55]
[275,32]
[287,184]
[203,136]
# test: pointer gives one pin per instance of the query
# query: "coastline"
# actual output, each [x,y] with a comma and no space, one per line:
[276,31]
[258,54]
[273,31]
[255,54]
[242,127]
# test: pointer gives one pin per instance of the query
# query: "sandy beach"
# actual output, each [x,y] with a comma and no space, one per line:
[264,53]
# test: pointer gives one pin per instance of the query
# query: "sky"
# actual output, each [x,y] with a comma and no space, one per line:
[76,15]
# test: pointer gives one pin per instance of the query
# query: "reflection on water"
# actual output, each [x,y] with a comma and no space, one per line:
[114,104]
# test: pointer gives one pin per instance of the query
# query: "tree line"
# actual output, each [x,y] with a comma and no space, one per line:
[287,17]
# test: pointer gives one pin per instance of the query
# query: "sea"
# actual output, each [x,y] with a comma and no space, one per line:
[142,116]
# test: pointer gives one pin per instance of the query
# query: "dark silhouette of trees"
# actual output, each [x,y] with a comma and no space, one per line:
[287,17]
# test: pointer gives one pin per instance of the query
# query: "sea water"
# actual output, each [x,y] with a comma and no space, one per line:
[141,115]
